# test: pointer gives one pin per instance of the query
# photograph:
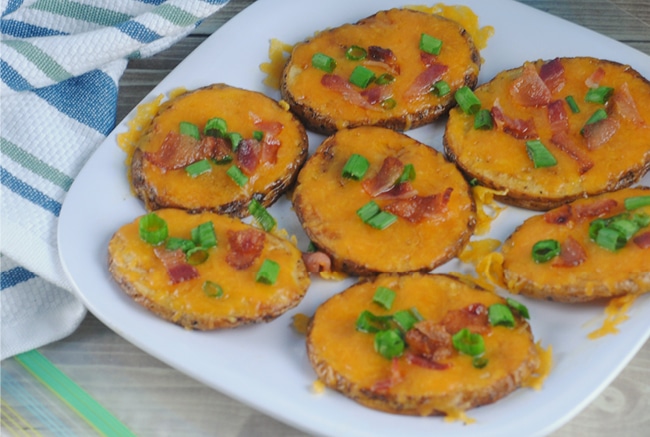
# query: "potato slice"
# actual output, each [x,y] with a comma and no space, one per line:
[597,273]
[532,101]
[326,204]
[141,273]
[326,100]
[345,359]
[245,112]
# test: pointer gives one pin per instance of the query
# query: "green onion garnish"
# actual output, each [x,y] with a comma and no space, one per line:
[636,202]
[216,127]
[384,297]
[389,103]
[368,211]
[479,362]
[599,95]
[361,76]
[175,243]
[369,323]
[430,44]
[204,236]
[198,168]
[406,319]
[483,119]
[519,307]
[153,229]
[355,53]
[408,174]
[323,62]
[258,135]
[467,100]
[545,250]
[385,79]
[595,227]
[539,154]
[382,220]
[268,272]
[235,138]
[190,129]
[500,314]
[196,256]
[597,116]
[212,289]
[389,343]
[441,88]
[236,175]
[355,167]
[468,343]
[572,104]
[610,239]
[261,215]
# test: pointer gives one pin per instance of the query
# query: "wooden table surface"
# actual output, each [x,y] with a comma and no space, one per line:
[153,399]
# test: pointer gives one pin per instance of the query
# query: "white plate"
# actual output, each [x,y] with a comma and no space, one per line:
[265,365]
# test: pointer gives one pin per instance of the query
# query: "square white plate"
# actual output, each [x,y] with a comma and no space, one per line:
[266,366]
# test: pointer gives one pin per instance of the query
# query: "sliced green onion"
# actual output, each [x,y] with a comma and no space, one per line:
[355,167]
[610,239]
[235,138]
[479,362]
[468,343]
[572,104]
[545,250]
[519,307]
[483,120]
[198,168]
[408,174]
[441,88]
[190,129]
[382,220]
[389,343]
[599,95]
[216,127]
[236,175]
[368,211]
[268,272]
[625,227]
[153,229]
[356,53]
[389,103]
[473,182]
[385,79]
[405,319]
[384,297]
[636,202]
[597,116]
[369,323]
[641,219]
[261,215]
[430,44]
[212,289]
[539,154]
[203,235]
[197,255]
[467,100]
[175,243]
[595,226]
[416,314]
[258,135]
[323,62]
[500,314]
[361,76]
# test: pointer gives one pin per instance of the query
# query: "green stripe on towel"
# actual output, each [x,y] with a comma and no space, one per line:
[72,395]
[175,15]
[79,11]
[40,59]
[35,165]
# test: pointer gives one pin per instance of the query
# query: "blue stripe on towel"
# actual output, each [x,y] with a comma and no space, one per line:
[12,5]
[12,78]
[18,29]
[14,276]
[30,193]
[138,31]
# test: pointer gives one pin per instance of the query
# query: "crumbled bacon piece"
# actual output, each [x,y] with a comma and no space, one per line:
[593,81]
[425,362]
[642,240]
[403,190]
[178,269]
[384,56]
[179,151]
[572,254]
[558,216]
[600,132]
[559,122]
[393,379]
[474,317]
[552,73]
[594,209]
[624,105]
[424,81]
[317,262]
[245,247]
[248,155]
[347,91]
[377,93]
[391,169]
[429,340]
[417,208]
[529,89]
[516,127]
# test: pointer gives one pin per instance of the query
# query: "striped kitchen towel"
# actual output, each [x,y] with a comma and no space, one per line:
[60,62]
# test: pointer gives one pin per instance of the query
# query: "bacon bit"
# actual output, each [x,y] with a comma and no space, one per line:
[593,81]
[403,190]
[179,151]
[428,59]
[347,91]
[317,262]
[593,209]
[417,208]
[642,240]
[273,128]
[384,56]
[270,147]
[516,127]
[248,155]
[559,216]
[391,169]
[429,340]
[178,269]
[572,254]
[425,80]
[600,132]
[552,73]
[425,362]
[377,93]
[395,378]
[559,122]
[245,247]
[623,104]
[529,89]
[474,317]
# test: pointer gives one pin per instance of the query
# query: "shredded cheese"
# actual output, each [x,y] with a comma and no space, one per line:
[318,387]
[486,208]
[278,55]
[458,415]
[615,313]
[333,276]
[536,380]
[473,281]
[477,249]
[300,323]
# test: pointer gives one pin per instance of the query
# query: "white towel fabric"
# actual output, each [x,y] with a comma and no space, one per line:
[60,62]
